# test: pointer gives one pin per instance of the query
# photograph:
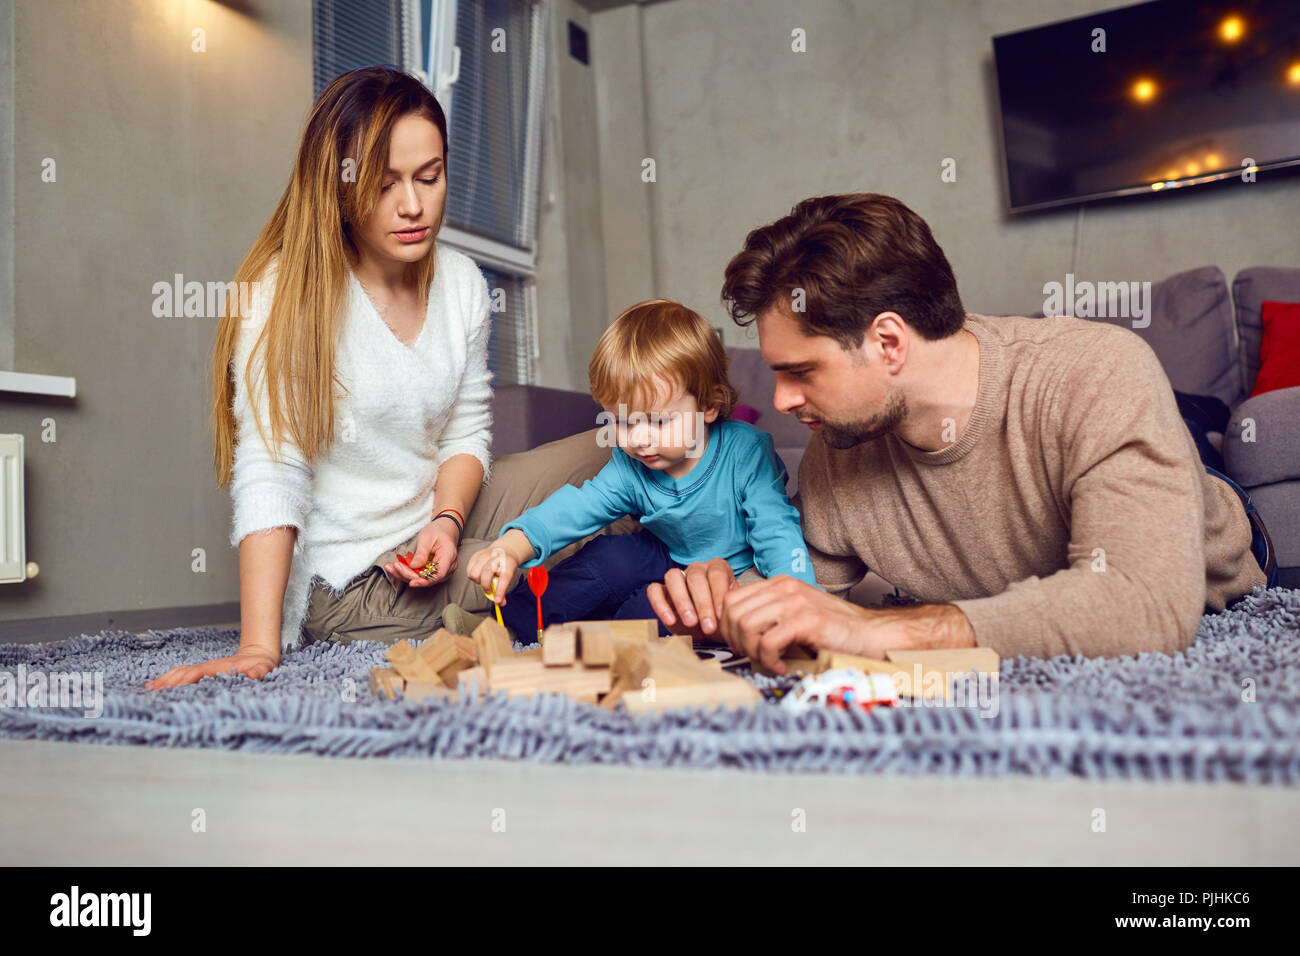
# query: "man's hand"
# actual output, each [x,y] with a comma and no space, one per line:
[763,619]
[690,602]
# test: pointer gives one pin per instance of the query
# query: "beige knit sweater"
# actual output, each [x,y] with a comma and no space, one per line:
[1072,516]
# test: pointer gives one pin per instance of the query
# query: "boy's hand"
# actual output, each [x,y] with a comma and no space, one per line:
[495,561]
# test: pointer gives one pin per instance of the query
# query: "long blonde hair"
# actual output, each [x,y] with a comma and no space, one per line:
[334,187]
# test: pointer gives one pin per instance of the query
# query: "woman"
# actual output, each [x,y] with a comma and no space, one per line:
[352,404]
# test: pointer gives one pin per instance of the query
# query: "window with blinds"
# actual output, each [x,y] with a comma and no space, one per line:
[485,61]
[493,121]
[346,34]
[510,347]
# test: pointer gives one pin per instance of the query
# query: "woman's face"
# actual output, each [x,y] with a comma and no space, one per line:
[413,193]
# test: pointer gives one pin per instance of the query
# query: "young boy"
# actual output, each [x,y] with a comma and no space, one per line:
[702,485]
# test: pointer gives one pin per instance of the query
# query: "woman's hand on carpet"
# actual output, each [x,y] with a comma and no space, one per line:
[434,542]
[254,664]
[690,601]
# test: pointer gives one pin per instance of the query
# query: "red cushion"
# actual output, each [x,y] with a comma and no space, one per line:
[1279,352]
[745,413]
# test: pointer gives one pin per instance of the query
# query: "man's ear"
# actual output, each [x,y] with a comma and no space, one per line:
[892,339]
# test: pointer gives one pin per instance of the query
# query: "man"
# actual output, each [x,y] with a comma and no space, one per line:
[1029,481]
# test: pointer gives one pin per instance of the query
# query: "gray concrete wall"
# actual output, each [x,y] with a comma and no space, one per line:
[167,160]
[571,271]
[742,128]
[170,161]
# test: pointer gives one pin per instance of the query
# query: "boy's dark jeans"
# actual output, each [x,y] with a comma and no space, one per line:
[605,580]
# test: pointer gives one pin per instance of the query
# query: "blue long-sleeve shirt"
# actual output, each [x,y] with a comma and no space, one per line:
[731,505]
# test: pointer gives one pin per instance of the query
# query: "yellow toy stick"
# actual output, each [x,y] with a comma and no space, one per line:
[497,555]
[492,597]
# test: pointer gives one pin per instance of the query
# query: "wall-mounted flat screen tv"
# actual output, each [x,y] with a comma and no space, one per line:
[1149,99]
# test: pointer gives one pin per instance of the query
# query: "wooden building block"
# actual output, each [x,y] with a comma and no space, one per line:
[582,682]
[438,649]
[679,644]
[610,700]
[957,660]
[533,677]
[419,690]
[637,668]
[410,665]
[927,675]
[385,682]
[533,654]
[831,660]
[725,691]
[597,645]
[670,669]
[640,630]
[450,675]
[559,645]
[631,664]
[472,675]
[516,673]
[444,647]
[493,644]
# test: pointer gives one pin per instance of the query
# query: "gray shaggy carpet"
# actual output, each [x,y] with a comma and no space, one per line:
[1227,709]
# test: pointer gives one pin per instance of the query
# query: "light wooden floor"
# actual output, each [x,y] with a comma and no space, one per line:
[63,803]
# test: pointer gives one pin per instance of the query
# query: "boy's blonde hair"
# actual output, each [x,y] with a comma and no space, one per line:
[660,339]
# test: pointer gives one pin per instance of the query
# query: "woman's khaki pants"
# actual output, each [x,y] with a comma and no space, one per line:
[375,608]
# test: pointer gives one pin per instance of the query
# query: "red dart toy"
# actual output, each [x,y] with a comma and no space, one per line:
[538,578]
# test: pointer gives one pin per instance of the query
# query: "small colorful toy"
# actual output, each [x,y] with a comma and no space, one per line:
[429,569]
[842,688]
[497,556]
[538,578]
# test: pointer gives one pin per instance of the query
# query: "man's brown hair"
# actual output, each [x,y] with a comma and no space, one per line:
[853,256]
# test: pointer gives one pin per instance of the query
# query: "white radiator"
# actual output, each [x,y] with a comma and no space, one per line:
[13,537]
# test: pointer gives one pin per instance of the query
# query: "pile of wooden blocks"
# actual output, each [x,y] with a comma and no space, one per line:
[595,662]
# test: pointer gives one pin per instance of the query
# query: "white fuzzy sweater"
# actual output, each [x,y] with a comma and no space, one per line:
[405,412]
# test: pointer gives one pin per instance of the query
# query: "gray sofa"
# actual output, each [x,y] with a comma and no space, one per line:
[1206,335]
[1269,467]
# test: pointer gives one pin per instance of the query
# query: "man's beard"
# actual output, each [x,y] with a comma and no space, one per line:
[847,435]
